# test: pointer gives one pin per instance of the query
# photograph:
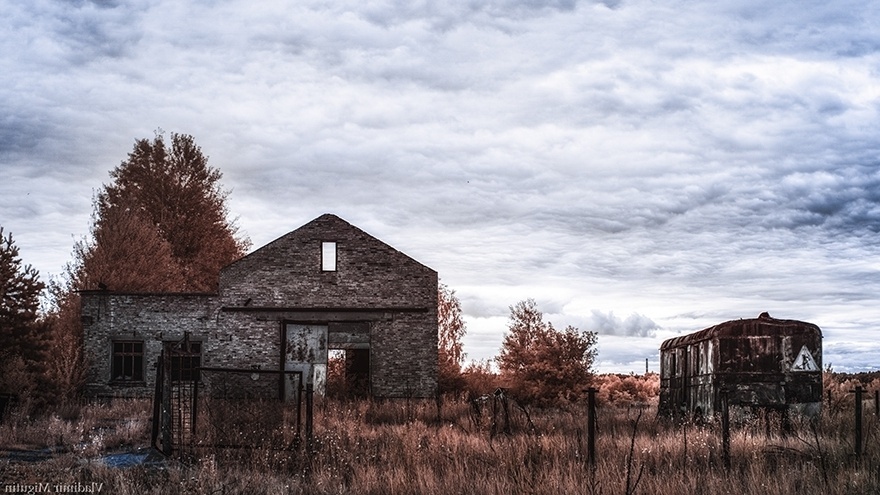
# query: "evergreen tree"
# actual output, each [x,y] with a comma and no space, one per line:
[21,334]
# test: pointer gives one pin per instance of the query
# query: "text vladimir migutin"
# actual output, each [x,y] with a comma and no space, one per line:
[77,487]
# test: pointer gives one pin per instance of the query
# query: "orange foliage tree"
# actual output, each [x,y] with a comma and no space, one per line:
[450,330]
[628,390]
[127,253]
[160,226]
[543,365]
[479,379]
[176,194]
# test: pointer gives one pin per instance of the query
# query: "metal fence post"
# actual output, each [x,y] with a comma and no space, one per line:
[167,401]
[157,402]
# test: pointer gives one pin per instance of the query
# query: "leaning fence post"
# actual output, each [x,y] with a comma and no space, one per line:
[725,428]
[858,391]
[591,426]
[506,408]
[499,397]
[494,429]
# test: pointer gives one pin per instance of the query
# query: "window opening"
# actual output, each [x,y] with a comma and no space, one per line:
[184,365]
[128,361]
[328,256]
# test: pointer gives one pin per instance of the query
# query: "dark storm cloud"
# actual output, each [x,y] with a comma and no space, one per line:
[19,134]
[845,200]
[63,34]
[841,29]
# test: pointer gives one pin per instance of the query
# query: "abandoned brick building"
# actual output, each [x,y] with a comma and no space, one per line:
[325,286]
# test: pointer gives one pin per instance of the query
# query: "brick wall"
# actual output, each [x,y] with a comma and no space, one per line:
[148,318]
[287,272]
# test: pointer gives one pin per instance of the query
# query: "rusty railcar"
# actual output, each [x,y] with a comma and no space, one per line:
[762,363]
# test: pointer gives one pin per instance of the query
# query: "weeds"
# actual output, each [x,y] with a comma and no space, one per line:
[630,484]
[372,447]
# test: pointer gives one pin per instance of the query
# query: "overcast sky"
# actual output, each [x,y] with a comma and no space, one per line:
[642,169]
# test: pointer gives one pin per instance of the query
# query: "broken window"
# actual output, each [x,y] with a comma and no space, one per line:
[128,361]
[184,363]
[328,256]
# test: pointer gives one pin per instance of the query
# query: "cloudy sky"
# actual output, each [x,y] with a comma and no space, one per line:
[642,169]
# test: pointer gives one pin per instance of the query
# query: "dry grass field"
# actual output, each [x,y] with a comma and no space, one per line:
[406,447]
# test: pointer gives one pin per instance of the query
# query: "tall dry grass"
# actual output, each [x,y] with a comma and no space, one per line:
[406,447]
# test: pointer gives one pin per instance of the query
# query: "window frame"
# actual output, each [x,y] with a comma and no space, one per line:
[127,361]
[175,371]
[329,256]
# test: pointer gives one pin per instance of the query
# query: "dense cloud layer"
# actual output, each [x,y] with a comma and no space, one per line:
[682,163]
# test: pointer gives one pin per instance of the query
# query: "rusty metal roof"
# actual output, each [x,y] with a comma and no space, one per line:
[763,325]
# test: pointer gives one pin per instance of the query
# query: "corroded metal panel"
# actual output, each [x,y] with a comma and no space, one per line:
[306,351]
[762,363]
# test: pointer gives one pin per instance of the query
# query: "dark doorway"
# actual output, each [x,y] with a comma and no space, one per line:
[348,373]
[357,372]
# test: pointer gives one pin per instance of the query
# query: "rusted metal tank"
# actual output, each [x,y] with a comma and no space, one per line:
[762,363]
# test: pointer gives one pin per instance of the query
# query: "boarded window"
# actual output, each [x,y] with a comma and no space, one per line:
[328,256]
[128,361]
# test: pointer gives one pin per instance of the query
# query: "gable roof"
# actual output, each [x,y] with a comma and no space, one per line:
[327,223]
[287,272]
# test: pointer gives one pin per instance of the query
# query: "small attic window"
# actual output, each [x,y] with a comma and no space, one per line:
[328,256]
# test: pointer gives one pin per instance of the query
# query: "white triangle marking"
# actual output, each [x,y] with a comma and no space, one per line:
[804,361]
